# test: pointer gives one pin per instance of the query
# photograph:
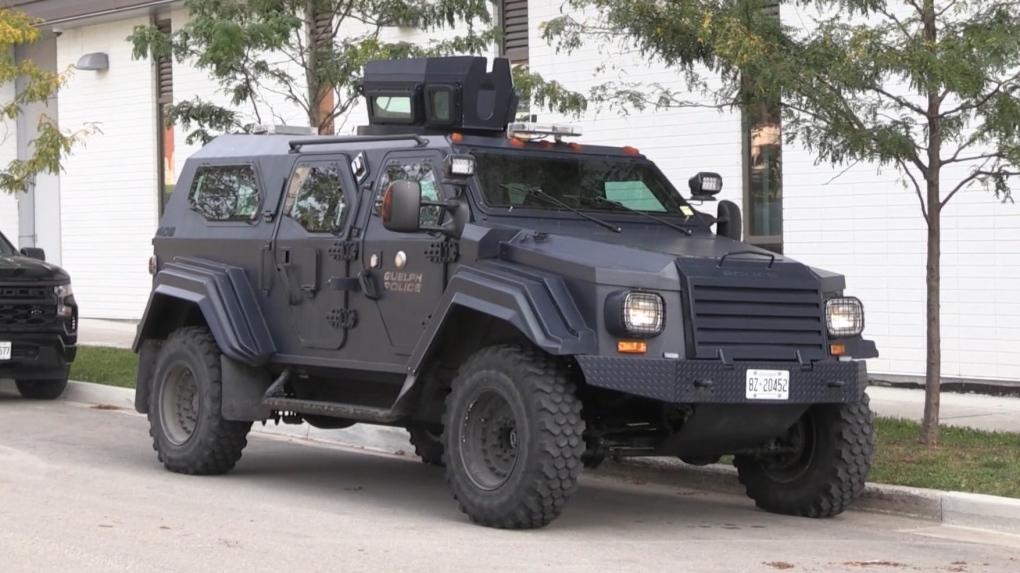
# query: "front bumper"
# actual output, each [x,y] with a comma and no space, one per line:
[38,356]
[715,382]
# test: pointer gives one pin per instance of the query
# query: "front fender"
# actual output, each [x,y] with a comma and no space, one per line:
[224,296]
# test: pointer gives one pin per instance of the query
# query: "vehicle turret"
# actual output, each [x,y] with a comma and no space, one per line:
[439,95]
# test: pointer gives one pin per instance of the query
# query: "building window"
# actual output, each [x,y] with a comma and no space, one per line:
[225,192]
[165,146]
[315,198]
[763,171]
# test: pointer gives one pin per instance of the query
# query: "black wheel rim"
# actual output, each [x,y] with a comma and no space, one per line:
[799,446]
[179,404]
[489,440]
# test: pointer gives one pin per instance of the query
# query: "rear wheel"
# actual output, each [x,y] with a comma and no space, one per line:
[513,437]
[825,467]
[42,389]
[428,443]
[187,427]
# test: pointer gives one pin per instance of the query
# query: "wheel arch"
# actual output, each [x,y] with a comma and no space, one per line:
[195,292]
[490,305]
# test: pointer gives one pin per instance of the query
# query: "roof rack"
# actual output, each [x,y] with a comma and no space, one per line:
[296,144]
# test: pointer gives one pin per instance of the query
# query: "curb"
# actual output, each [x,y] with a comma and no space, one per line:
[999,514]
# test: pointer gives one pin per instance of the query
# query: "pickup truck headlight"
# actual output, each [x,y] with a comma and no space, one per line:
[63,293]
[844,316]
[635,314]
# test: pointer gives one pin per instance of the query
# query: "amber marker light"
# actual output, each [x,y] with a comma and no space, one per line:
[631,347]
[837,349]
[630,150]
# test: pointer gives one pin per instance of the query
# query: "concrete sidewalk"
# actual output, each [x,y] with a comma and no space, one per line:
[997,413]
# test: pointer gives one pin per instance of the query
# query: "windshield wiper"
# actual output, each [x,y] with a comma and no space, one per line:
[537,192]
[599,199]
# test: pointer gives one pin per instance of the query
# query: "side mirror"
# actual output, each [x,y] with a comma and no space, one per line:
[34,253]
[401,206]
[728,223]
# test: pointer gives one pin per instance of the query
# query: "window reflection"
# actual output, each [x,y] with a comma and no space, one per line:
[315,198]
[225,193]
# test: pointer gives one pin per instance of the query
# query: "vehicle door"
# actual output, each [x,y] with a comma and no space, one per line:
[312,252]
[404,274]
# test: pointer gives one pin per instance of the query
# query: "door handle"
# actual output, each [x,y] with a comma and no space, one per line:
[368,284]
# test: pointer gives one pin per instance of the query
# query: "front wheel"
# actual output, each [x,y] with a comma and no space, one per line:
[186,423]
[513,438]
[828,459]
[41,389]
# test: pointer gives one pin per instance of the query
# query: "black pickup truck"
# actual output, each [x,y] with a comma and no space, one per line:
[38,322]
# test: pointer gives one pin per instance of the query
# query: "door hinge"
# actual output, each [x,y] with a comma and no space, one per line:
[443,252]
[344,250]
[342,318]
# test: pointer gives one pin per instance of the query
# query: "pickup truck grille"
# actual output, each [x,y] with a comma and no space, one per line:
[756,322]
[26,306]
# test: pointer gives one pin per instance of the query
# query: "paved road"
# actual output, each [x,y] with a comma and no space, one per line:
[80,490]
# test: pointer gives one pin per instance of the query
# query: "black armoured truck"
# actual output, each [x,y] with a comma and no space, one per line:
[525,305]
[38,322]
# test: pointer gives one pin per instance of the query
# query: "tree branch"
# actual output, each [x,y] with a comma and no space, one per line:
[985,156]
[984,100]
[917,188]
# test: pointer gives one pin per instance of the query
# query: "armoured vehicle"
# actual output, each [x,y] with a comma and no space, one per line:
[38,322]
[524,304]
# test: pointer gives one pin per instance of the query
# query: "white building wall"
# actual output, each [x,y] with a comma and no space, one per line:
[109,189]
[8,153]
[867,224]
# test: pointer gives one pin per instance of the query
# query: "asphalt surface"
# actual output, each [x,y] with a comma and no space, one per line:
[81,490]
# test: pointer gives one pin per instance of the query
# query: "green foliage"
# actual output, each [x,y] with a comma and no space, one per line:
[304,49]
[904,83]
[51,145]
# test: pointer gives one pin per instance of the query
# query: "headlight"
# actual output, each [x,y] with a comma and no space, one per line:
[64,292]
[635,314]
[844,316]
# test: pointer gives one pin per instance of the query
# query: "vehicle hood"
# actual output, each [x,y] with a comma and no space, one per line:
[19,268]
[646,256]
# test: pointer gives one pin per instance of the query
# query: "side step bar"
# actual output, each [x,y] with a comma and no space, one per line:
[275,399]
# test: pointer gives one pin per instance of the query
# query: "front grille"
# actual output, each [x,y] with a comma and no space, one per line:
[21,293]
[756,322]
[27,306]
[27,314]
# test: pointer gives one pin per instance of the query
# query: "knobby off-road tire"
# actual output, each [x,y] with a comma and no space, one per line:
[513,438]
[828,475]
[41,389]
[428,443]
[186,423]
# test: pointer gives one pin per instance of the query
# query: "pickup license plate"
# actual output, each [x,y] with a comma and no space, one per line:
[5,350]
[768,385]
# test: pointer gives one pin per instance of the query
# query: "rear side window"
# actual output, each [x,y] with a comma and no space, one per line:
[225,192]
[315,198]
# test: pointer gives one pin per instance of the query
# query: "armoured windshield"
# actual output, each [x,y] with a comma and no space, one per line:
[588,183]
[6,248]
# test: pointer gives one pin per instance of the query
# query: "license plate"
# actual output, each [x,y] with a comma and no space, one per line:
[768,385]
[5,350]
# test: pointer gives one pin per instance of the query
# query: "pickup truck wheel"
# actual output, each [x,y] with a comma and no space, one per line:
[513,436]
[41,389]
[188,431]
[428,443]
[825,469]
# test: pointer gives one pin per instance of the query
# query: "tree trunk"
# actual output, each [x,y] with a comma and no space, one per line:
[933,359]
[933,371]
